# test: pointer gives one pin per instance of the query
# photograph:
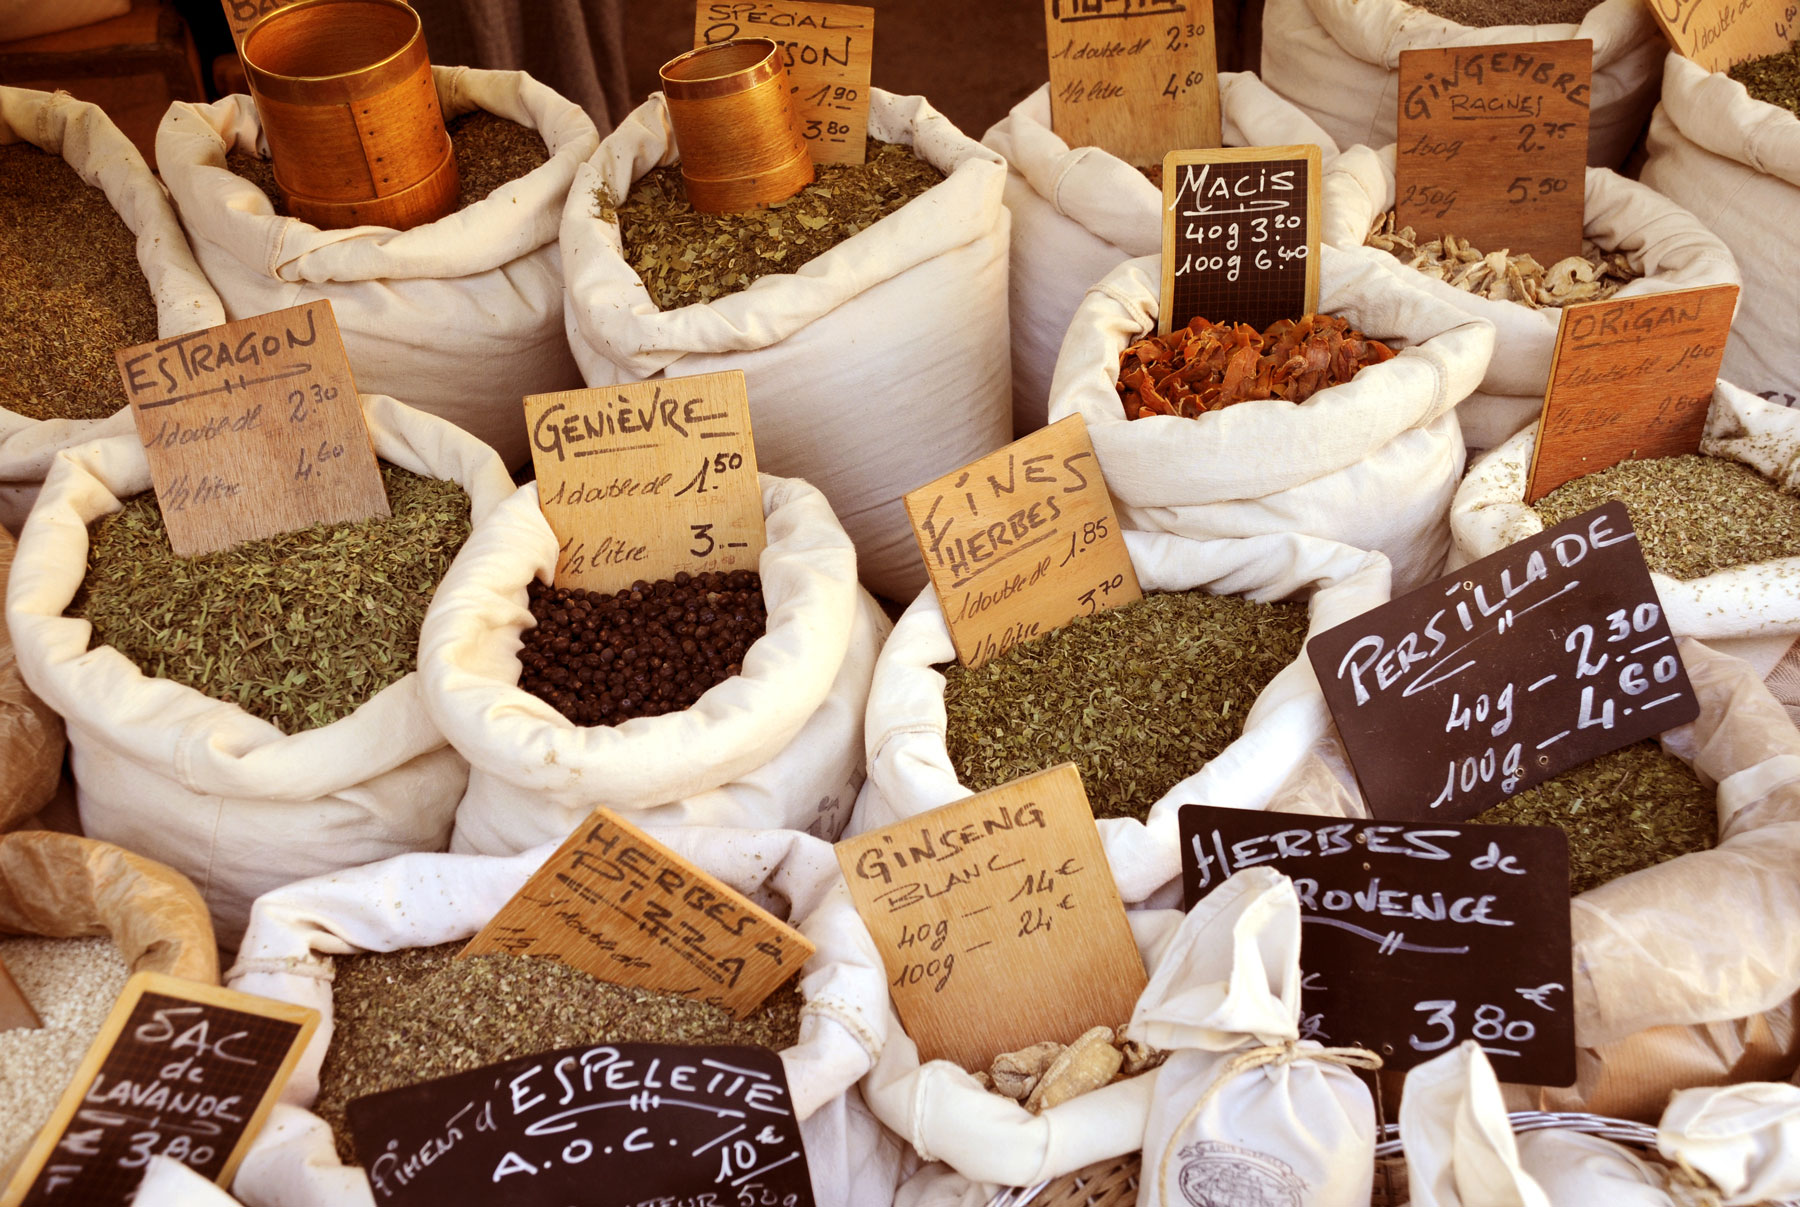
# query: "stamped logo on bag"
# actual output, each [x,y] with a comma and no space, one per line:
[1217,1174]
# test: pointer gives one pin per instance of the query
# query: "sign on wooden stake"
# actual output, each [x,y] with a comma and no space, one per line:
[1719,34]
[1138,78]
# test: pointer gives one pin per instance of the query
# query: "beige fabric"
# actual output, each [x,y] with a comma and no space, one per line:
[1460,1150]
[31,734]
[31,18]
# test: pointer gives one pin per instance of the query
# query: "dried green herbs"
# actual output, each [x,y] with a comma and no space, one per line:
[1138,697]
[408,1016]
[1774,78]
[685,257]
[1623,812]
[72,290]
[1694,515]
[298,629]
[1481,14]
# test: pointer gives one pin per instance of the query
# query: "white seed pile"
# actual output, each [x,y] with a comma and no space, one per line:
[72,984]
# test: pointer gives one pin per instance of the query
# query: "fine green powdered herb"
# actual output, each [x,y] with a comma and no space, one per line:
[409,1016]
[1481,14]
[1694,515]
[71,290]
[685,257]
[1139,697]
[298,629]
[1623,812]
[1774,78]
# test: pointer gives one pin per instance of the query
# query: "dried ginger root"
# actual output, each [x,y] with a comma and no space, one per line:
[1048,1073]
[1592,276]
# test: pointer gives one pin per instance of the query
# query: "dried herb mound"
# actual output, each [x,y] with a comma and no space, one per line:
[1694,515]
[409,1016]
[1593,276]
[71,290]
[1773,79]
[1481,14]
[684,256]
[1138,697]
[1625,811]
[298,629]
[1207,366]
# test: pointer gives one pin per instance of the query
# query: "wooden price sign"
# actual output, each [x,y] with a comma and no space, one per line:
[1240,236]
[1510,671]
[179,1070]
[1414,938]
[1493,144]
[619,905]
[15,1008]
[1630,378]
[242,14]
[1138,78]
[1718,34]
[998,920]
[827,50]
[253,429]
[643,481]
[640,1125]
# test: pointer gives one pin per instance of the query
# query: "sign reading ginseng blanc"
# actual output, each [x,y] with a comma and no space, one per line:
[646,480]
[1138,78]
[1630,379]
[1718,34]
[1003,897]
[639,1125]
[1493,144]
[179,1070]
[1022,541]
[1414,938]
[253,429]
[827,50]
[1508,672]
[1240,236]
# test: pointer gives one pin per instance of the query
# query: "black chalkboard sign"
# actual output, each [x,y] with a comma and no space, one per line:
[1240,236]
[1414,938]
[180,1070]
[1508,672]
[637,1125]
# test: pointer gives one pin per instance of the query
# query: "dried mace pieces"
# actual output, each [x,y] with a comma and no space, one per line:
[1207,366]
[644,651]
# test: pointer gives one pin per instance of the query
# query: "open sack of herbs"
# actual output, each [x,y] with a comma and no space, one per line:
[1635,241]
[374,949]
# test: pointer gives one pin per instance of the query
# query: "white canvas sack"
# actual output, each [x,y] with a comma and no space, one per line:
[909,766]
[775,747]
[873,369]
[1489,513]
[1668,245]
[1460,1149]
[461,317]
[1076,213]
[1339,60]
[88,141]
[1734,162]
[199,784]
[1372,463]
[423,900]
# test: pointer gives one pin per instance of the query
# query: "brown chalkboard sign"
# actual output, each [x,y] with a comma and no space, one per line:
[632,1124]
[180,1070]
[1240,235]
[1414,938]
[1506,673]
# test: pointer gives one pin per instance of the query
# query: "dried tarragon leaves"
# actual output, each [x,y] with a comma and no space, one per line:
[1206,366]
[1694,515]
[684,256]
[1047,1074]
[1592,276]
[298,629]
[1773,79]
[1138,697]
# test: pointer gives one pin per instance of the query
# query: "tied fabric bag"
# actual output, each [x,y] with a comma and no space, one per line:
[460,317]
[1372,462]
[1339,61]
[1078,212]
[872,369]
[774,747]
[1666,243]
[223,796]
[88,141]
[1460,1148]
[423,900]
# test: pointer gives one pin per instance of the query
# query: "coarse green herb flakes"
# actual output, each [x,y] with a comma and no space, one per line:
[1482,14]
[684,256]
[409,1016]
[298,629]
[1694,515]
[1774,79]
[1623,812]
[1138,697]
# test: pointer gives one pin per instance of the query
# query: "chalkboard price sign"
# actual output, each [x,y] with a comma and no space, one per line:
[1506,673]
[1414,938]
[654,1125]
